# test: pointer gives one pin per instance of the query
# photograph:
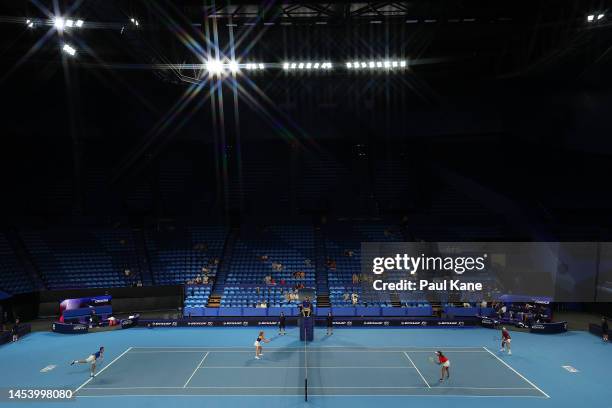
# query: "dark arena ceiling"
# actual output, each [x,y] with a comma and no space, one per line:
[448,39]
[128,93]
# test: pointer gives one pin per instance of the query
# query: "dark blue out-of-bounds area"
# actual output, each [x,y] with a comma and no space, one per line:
[352,368]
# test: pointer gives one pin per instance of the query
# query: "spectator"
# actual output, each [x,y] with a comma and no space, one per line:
[346,297]
[263,258]
[483,304]
[94,319]
[307,262]
[205,280]
[139,283]
[348,253]
[15,331]
[604,329]
[355,279]
[127,273]
[354,298]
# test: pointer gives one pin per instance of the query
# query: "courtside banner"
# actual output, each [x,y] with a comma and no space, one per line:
[67,328]
[338,322]
[475,271]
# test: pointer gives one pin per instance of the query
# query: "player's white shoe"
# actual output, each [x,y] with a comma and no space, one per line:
[256,357]
[501,350]
[509,352]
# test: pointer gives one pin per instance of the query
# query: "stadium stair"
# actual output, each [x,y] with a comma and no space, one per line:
[143,259]
[224,263]
[21,251]
[395,300]
[321,270]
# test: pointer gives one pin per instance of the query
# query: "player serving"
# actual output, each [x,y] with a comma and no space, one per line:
[505,341]
[92,359]
[261,338]
[444,364]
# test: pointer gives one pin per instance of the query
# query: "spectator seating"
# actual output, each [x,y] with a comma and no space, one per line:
[290,246]
[79,258]
[342,238]
[196,296]
[177,255]
[13,278]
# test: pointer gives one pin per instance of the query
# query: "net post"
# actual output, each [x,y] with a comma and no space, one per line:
[306,389]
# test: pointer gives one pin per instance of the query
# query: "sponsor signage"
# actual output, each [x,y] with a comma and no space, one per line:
[67,328]
[549,328]
[340,322]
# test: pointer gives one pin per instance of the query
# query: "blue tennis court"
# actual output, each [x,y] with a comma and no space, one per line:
[331,371]
[185,367]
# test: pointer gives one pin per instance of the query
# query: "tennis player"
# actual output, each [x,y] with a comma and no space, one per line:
[505,341]
[261,338]
[92,359]
[444,364]
[604,329]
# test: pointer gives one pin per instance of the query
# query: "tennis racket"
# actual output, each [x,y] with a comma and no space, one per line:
[431,360]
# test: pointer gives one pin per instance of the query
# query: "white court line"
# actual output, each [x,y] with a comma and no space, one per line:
[271,350]
[263,368]
[395,348]
[417,370]
[280,387]
[103,368]
[309,394]
[516,372]
[196,369]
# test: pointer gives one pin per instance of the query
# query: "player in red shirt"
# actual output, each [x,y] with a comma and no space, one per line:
[444,363]
[505,342]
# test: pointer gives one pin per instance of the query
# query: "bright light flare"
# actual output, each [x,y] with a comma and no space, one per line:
[69,50]
[58,23]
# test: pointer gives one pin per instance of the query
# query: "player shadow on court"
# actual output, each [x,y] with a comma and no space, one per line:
[270,355]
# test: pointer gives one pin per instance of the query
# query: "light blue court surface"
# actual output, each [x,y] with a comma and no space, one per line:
[353,368]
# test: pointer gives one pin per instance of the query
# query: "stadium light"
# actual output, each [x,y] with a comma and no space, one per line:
[79,23]
[29,23]
[590,17]
[214,66]
[69,50]
[233,66]
[600,16]
[69,23]
[255,66]
[307,65]
[134,21]
[58,23]
[378,65]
